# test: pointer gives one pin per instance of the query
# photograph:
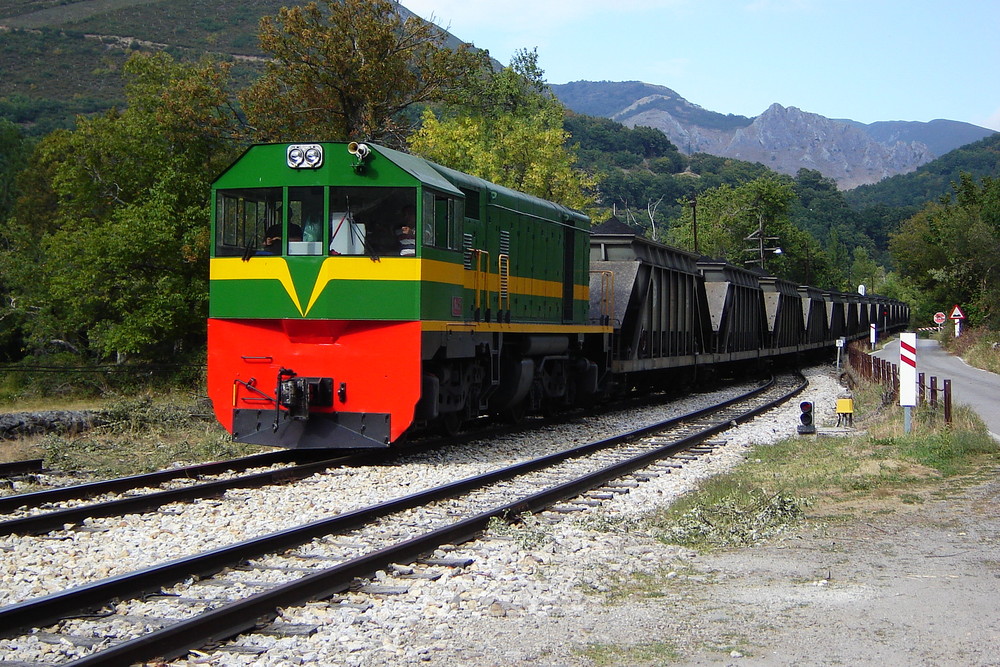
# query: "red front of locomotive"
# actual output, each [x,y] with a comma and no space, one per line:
[314,384]
[314,334]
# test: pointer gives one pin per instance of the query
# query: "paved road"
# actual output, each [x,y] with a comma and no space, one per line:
[978,389]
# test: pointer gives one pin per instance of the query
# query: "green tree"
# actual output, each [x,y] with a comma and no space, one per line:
[112,255]
[510,133]
[948,251]
[865,271]
[347,69]
[13,159]
[731,220]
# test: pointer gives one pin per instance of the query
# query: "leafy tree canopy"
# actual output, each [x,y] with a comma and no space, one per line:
[515,139]
[948,251]
[728,216]
[115,217]
[13,158]
[347,69]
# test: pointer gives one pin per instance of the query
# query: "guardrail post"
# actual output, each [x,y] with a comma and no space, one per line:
[920,388]
[947,401]
[934,390]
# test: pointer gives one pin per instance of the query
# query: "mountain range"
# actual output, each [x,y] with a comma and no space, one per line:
[64,57]
[785,139]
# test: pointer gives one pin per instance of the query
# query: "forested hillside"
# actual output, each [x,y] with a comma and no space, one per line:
[64,60]
[142,170]
[933,180]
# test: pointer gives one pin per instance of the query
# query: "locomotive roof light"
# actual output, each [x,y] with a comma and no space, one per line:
[304,156]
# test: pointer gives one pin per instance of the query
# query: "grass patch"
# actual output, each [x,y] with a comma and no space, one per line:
[150,417]
[727,512]
[140,435]
[526,532]
[826,477]
[646,653]
[979,347]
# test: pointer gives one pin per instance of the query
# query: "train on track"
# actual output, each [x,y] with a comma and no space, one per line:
[358,292]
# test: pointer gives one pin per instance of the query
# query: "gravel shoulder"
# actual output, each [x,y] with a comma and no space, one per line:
[915,585]
[883,583]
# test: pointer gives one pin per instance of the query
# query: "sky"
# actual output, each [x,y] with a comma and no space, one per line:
[865,60]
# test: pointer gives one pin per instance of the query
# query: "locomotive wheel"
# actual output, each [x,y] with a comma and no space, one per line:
[451,423]
[516,413]
[552,408]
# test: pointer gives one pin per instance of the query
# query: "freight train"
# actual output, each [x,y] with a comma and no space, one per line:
[358,293]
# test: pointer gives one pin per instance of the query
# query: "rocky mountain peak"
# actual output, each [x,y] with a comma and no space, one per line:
[785,139]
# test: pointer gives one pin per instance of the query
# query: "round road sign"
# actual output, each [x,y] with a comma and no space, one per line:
[939,318]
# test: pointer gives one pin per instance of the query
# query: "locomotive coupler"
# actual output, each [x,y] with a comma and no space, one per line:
[298,394]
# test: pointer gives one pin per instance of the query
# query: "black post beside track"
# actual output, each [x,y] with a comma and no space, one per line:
[242,615]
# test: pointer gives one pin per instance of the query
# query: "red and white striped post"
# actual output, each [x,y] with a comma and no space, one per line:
[907,376]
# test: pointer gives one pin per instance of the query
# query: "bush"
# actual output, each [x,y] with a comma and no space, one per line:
[739,517]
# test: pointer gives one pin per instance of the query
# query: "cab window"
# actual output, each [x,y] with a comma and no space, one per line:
[442,217]
[305,221]
[373,221]
[243,218]
[318,221]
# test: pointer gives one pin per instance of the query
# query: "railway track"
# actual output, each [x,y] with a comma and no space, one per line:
[181,605]
[44,511]
[39,512]
[16,468]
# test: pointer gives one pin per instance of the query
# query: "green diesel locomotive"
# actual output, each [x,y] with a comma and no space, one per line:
[357,291]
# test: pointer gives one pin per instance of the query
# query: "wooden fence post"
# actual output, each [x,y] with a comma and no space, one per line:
[947,401]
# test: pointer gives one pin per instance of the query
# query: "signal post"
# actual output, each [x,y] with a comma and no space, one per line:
[907,376]
[957,316]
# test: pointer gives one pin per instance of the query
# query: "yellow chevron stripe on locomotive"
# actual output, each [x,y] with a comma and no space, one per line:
[325,289]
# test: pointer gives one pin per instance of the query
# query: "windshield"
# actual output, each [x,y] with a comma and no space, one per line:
[289,221]
[365,221]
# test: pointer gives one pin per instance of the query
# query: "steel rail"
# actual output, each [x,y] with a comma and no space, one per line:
[48,609]
[243,615]
[20,467]
[42,523]
[90,489]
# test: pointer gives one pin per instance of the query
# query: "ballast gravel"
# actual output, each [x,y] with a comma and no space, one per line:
[536,594]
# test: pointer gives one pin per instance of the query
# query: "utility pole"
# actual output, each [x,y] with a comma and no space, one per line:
[761,251]
[694,220]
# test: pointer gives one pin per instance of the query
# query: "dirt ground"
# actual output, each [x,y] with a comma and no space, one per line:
[885,584]
[914,585]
